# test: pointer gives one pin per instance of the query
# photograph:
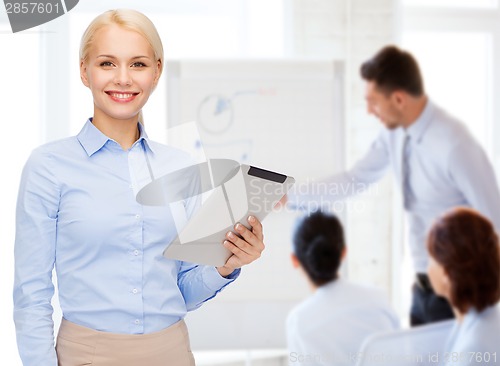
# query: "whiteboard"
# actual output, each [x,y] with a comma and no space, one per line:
[281,115]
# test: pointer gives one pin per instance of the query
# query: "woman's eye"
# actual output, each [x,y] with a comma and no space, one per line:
[138,64]
[106,63]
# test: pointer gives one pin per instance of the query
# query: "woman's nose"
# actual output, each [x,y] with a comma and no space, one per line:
[123,77]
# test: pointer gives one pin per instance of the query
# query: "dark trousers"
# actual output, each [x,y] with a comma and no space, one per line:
[427,307]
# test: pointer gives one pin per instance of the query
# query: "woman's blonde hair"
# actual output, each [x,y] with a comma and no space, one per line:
[128,19]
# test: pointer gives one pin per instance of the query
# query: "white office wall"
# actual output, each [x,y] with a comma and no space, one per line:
[459,44]
[20,132]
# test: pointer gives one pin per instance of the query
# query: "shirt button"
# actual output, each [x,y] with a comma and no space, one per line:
[134,291]
[137,321]
[130,186]
[137,216]
[136,252]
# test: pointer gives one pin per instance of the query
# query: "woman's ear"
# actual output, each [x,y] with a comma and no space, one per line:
[83,73]
[344,253]
[295,261]
[159,68]
[446,282]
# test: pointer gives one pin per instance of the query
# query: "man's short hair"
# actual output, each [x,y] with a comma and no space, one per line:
[394,69]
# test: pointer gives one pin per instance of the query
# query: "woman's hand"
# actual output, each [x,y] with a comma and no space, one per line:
[246,246]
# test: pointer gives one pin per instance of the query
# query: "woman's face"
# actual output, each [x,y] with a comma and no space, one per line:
[121,72]
[439,279]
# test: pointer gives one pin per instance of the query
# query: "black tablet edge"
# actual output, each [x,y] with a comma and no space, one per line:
[266,174]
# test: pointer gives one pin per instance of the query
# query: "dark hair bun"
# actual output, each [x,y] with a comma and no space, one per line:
[318,244]
[320,257]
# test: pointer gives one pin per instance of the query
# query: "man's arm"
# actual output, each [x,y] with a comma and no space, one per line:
[369,169]
[474,176]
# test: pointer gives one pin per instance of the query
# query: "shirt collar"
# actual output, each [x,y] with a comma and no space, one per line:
[418,128]
[92,139]
[143,136]
[334,283]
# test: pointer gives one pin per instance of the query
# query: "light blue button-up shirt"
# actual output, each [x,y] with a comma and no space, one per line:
[77,211]
[475,340]
[448,168]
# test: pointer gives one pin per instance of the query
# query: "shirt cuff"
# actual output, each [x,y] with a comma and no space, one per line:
[214,281]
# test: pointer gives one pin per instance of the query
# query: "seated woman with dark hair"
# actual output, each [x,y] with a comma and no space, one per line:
[465,269]
[329,327]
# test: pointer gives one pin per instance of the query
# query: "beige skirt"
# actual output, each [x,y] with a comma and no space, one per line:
[79,346]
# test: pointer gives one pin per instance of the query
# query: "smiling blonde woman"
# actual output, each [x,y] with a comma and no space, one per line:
[123,303]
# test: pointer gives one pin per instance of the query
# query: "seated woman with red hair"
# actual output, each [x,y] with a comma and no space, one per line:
[464,268]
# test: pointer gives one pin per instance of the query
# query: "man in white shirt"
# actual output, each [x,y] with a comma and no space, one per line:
[436,161]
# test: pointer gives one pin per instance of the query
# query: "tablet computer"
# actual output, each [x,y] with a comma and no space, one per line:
[249,191]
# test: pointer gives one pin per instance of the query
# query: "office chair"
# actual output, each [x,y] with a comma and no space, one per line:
[422,345]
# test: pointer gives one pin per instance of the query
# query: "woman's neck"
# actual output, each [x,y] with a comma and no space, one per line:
[459,316]
[124,132]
